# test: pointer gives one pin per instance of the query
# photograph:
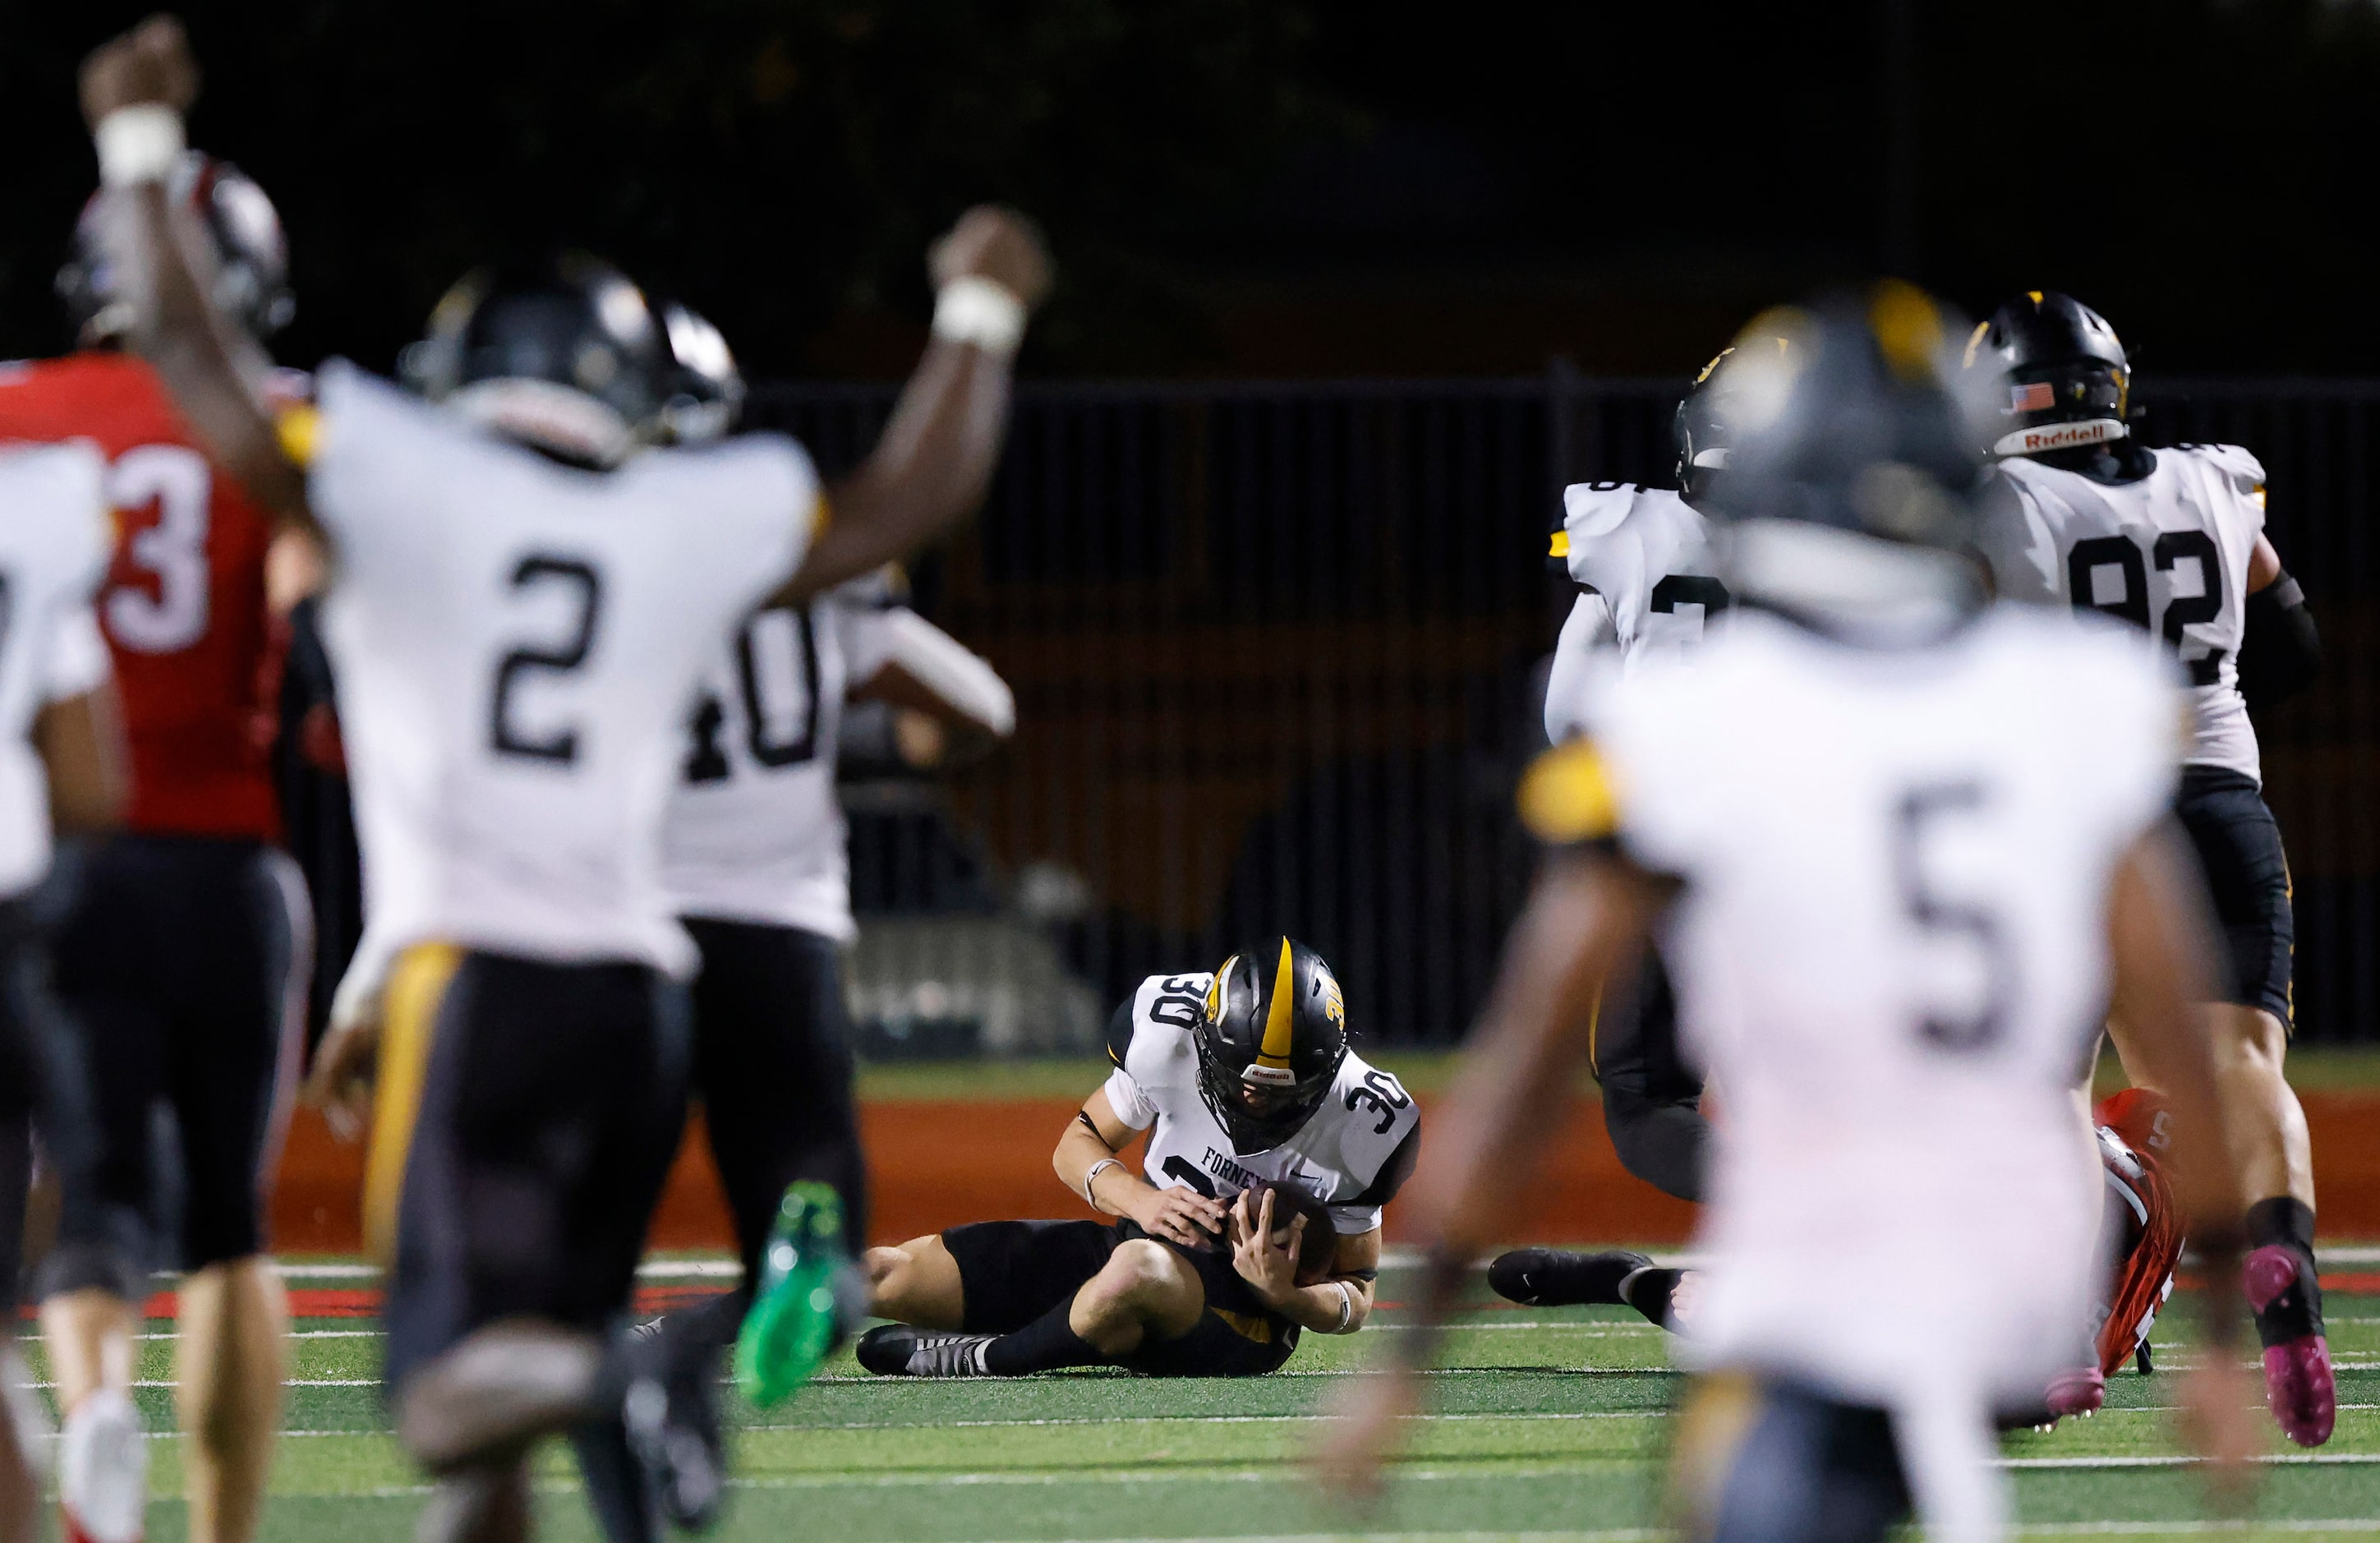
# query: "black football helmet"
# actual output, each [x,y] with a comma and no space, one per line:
[1863,426]
[565,355]
[251,256]
[1700,430]
[707,394]
[2065,382]
[1270,1041]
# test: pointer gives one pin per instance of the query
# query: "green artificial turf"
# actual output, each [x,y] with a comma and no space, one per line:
[1545,1424]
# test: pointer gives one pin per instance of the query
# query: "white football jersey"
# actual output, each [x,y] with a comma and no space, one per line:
[1644,555]
[1351,1155]
[56,540]
[755,830]
[516,644]
[1890,950]
[2168,553]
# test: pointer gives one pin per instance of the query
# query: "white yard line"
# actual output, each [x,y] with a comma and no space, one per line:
[652,1270]
[2344,1459]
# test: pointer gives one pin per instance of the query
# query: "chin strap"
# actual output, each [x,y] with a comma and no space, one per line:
[2044,437]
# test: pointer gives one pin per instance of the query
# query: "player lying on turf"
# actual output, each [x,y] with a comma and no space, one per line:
[1254,1108]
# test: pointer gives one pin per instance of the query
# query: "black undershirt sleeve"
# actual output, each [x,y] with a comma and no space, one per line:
[2281,650]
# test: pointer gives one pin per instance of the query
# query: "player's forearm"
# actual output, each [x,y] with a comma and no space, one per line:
[2159,938]
[929,471]
[1318,1307]
[176,330]
[1081,1151]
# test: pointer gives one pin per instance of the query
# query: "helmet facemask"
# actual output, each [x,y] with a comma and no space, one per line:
[1268,1055]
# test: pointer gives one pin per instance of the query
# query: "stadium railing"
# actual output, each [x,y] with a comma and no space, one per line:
[1274,647]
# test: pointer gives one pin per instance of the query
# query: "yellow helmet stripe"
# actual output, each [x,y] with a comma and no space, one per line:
[1277,1040]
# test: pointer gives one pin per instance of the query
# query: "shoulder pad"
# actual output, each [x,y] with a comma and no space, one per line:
[1120,1029]
[1595,509]
[1380,1113]
[1161,1003]
[2238,465]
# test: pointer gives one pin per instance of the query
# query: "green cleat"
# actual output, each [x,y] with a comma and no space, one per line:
[795,1323]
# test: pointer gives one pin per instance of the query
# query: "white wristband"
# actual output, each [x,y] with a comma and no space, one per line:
[976,309]
[1346,1306]
[1092,1177]
[137,144]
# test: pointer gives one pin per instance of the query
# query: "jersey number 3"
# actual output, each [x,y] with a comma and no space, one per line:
[577,580]
[174,551]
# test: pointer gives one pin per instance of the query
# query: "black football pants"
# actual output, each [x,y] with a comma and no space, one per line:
[1652,1099]
[772,1066]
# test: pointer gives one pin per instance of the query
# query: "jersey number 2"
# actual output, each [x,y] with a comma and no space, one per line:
[579,580]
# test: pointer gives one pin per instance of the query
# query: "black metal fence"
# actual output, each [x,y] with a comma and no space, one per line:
[1273,647]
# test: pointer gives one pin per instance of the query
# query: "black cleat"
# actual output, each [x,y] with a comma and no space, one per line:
[671,1412]
[898,1350]
[1556,1278]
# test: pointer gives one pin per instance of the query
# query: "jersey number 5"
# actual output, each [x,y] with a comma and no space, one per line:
[1916,820]
[578,579]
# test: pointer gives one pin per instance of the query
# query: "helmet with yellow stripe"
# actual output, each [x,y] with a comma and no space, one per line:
[1270,1039]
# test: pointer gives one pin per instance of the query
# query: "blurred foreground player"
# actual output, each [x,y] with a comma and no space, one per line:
[1245,1083]
[754,859]
[187,939]
[526,589]
[1895,929]
[2172,542]
[61,769]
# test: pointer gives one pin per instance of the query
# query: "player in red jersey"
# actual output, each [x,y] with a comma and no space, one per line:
[183,956]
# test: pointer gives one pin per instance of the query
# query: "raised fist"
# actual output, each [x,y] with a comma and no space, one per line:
[996,244]
[151,64]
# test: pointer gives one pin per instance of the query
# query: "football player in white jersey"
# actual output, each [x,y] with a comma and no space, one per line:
[1896,925]
[1642,559]
[754,856]
[62,771]
[1248,1091]
[2172,542]
[1649,587]
[527,588]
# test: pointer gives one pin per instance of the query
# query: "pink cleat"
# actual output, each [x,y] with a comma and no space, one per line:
[2299,1387]
[2080,1392]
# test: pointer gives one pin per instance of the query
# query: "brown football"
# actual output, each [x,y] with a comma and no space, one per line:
[1319,1242]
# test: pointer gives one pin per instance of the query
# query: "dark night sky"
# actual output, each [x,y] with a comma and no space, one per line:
[1256,186]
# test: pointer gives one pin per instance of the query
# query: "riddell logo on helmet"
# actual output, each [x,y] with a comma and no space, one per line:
[2058,436]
